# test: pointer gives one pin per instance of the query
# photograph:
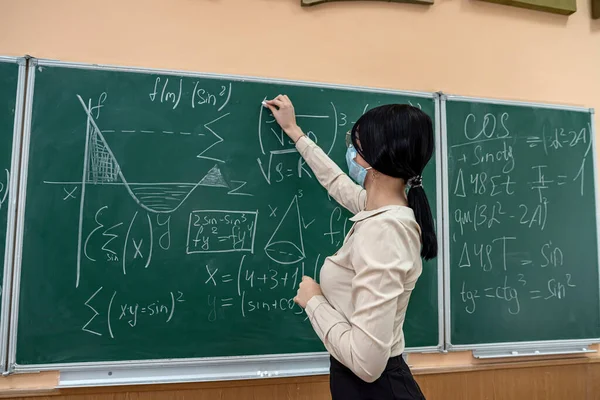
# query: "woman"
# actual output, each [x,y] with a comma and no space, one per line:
[366,285]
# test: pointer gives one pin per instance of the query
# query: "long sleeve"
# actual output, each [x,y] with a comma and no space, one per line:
[381,258]
[339,185]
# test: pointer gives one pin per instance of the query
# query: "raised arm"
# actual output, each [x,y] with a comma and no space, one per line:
[338,184]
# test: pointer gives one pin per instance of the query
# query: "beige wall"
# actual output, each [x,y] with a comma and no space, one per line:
[457,46]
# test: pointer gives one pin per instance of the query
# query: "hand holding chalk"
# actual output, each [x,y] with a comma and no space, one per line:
[283,110]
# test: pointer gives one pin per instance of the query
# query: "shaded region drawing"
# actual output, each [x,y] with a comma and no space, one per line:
[102,167]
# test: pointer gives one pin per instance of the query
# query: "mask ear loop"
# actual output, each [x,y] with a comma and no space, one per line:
[373,175]
[350,141]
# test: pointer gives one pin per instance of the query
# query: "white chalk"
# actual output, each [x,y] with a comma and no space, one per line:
[264,103]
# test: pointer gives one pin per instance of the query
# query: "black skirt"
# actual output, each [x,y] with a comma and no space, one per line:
[396,383]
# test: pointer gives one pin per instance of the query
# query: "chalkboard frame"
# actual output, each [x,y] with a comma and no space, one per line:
[12,208]
[514,348]
[194,369]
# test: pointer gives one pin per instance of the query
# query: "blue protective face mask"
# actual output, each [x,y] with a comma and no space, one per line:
[356,171]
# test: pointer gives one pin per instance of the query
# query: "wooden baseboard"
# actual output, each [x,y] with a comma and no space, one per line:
[497,365]
[429,377]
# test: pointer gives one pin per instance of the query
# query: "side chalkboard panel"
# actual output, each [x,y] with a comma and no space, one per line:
[522,223]
[166,216]
[12,75]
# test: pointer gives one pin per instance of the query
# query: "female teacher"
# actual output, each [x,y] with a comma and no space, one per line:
[359,309]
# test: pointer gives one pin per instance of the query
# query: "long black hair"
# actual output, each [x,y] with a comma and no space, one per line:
[397,140]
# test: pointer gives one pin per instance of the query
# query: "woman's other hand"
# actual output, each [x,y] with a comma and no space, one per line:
[307,290]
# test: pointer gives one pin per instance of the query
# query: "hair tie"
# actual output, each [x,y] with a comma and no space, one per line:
[415,181]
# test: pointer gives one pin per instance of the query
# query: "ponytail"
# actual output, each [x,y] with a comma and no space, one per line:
[417,200]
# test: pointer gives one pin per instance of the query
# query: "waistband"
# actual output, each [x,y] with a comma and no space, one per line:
[393,363]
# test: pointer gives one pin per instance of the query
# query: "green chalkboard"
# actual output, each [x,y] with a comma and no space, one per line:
[168,217]
[523,253]
[11,99]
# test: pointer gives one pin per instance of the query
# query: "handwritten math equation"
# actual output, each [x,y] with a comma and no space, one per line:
[503,192]
[249,290]
[110,313]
